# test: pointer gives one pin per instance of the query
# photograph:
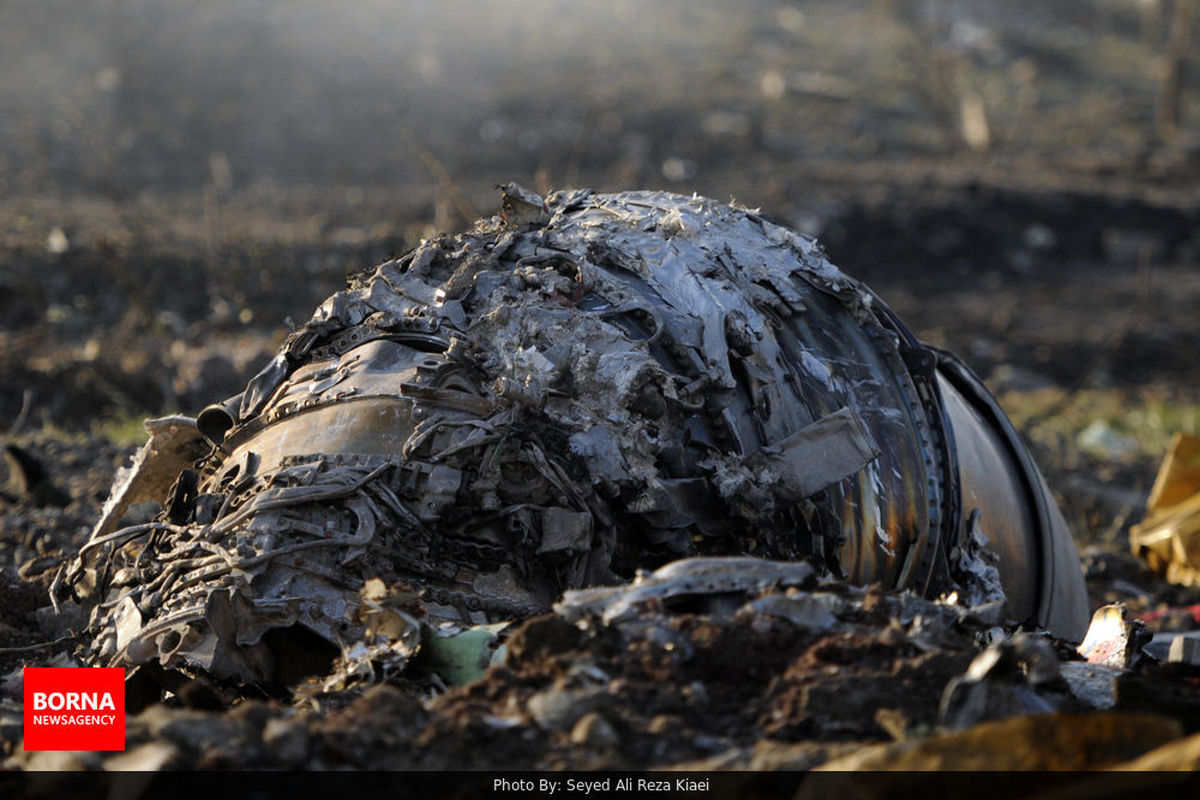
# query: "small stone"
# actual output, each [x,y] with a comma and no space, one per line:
[802,610]
[557,708]
[593,730]
[1184,650]
[662,724]
[1093,684]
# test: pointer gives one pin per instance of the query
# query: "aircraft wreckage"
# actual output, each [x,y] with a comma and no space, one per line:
[578,389]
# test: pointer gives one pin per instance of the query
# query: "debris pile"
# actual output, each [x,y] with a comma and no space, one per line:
[700,666]
[579,388]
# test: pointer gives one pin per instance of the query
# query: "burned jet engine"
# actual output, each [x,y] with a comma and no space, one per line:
[572,391]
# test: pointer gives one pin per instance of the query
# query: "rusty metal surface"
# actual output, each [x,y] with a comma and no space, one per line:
[561,396]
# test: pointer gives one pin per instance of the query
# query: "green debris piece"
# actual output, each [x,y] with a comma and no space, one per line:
[461,657]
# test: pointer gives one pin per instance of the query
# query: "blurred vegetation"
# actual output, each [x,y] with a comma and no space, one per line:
[121,97]
[1112,424]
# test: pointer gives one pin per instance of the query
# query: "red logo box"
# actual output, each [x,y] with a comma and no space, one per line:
[74,708]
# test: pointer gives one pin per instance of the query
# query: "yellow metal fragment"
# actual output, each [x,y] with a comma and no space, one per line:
[1169,537]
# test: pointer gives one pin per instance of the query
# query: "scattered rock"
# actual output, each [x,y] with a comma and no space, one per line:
[1007,679]
[593,730]
[558,707]
[1094,685]
[1184,650]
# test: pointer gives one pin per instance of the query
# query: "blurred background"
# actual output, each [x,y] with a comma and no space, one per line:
[181,181]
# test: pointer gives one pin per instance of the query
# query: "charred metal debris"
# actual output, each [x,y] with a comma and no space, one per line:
[573,391]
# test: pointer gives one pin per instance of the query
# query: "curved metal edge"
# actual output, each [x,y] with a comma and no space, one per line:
[933,574]
[1062,601]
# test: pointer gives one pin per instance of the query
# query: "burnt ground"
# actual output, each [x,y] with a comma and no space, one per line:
[1061,260]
